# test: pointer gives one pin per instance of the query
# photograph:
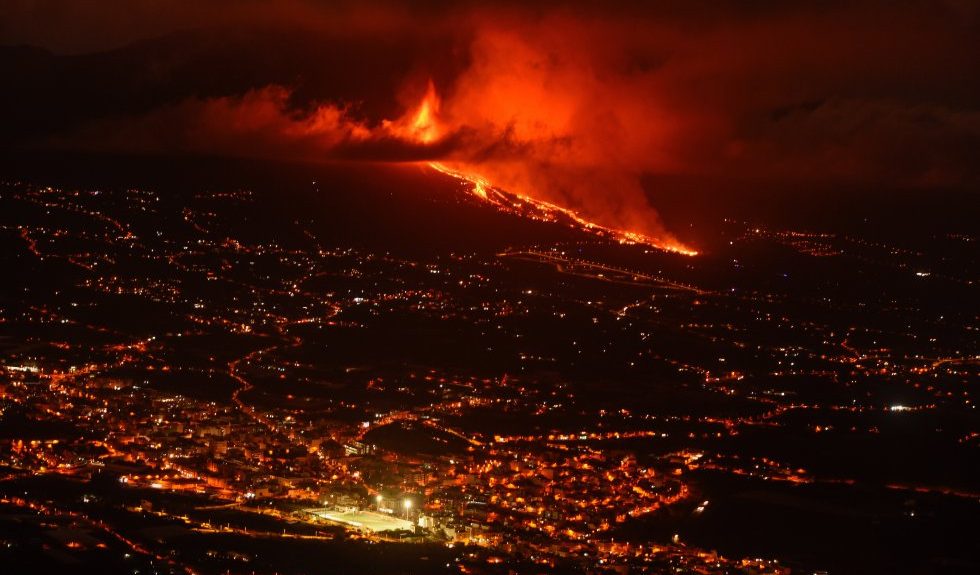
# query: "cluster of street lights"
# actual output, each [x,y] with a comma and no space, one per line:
[406,503]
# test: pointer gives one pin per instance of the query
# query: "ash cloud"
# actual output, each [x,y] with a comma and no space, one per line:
[577,107]
[262,123]
[570,103]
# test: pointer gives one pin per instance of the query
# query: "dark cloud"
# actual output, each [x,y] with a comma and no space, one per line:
[574,103]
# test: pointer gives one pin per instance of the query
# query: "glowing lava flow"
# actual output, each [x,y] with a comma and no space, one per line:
[546,211]
[424,126]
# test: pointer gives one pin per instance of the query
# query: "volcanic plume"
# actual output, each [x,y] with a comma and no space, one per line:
[532,115]
[570,106]
[630,223]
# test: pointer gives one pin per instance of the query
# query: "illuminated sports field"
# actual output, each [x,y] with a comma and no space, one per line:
[368,520]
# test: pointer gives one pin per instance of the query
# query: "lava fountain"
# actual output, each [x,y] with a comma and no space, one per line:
[423,125]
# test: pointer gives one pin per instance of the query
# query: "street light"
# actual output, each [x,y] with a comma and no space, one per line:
[407,504]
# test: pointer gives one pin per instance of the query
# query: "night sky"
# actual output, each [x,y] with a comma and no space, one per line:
[576,104]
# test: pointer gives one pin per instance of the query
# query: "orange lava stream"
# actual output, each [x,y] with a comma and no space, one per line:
[423,125]
[483,189]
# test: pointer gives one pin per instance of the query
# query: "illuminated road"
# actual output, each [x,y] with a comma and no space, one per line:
[563,264]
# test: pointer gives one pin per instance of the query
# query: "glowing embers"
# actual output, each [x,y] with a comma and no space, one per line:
[527,206]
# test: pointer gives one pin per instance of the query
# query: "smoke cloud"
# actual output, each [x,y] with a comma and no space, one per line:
[262,123]
[562,103]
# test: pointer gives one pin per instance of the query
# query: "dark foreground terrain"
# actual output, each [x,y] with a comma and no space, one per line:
[230,367]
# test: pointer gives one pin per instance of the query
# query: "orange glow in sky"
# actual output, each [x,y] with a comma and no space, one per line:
[424,125]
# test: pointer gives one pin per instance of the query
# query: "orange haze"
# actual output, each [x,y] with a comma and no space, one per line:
[533,115]
[568,104]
